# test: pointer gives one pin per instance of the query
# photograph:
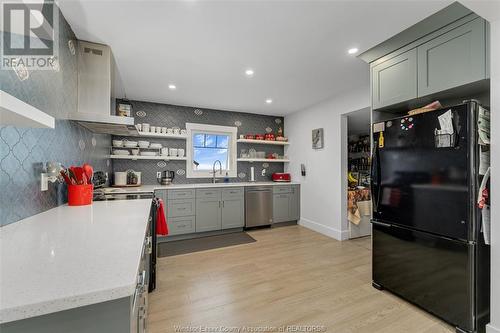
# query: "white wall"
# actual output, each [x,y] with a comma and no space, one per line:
[494,326]
[324,189]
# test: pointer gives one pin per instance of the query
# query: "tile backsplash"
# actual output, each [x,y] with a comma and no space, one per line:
[23,151]
[165,115]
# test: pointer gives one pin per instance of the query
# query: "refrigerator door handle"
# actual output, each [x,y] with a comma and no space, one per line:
[375,178]
[382,224]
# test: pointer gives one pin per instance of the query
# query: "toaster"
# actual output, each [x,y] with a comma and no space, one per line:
[281,177]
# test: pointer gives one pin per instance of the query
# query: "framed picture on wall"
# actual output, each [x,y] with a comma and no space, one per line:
[317,138]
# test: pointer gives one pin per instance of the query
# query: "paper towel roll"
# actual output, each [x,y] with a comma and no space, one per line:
[252,174]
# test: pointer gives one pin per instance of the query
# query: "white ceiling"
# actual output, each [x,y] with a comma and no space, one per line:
[298,49]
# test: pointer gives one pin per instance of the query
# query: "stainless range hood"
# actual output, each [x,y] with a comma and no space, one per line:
[96,103]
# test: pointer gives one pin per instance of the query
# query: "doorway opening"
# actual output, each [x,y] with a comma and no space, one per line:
[359,205]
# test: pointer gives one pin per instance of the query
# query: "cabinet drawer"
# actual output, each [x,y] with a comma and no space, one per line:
[181,225]
[180,207]
[181,194]
[235,192]
[208,193]
[282,189]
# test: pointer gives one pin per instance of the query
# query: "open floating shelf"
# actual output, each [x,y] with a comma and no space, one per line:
[17,113]
[264,142]
[161,135]
[267,160]
[139,157]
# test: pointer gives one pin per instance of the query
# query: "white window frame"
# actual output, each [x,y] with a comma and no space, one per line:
[192,129]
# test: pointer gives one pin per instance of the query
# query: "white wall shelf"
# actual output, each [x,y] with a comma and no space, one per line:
[160,135]
[139,157]
[17,113]
[264,142]
[266,160]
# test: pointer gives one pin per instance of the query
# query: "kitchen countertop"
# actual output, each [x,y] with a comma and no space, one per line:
[152,188]
[69,257]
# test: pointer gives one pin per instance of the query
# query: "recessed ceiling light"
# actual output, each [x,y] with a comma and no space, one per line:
[353,50]
[172,87]
[269,101]
[249,72]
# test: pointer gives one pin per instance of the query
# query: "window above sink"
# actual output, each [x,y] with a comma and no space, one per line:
[207,144]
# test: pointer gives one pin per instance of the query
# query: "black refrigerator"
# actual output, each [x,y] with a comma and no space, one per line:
[427,242]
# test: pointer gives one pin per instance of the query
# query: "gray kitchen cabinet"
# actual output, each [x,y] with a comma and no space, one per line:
[180,207]
[281,207]
[233,212]
[181,225]
[394,80]
[286,203]
[208,214]
[295,203]
[162,194]
[453,59]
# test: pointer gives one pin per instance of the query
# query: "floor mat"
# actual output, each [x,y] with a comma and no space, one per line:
[167,249]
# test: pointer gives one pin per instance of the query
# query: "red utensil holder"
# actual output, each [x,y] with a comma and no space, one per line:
[80,195]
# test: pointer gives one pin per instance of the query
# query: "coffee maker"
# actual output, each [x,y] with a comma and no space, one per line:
[166,178]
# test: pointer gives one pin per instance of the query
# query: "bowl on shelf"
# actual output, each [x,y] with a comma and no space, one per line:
[117,143]
[148,153]
[155,146]
[121,152]
[130,144]
[143,144]
[259,137]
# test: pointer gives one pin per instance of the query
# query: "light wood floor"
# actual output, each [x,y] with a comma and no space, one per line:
[290,276]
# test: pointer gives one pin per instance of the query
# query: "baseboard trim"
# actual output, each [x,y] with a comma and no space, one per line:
[491,329]
[322,229]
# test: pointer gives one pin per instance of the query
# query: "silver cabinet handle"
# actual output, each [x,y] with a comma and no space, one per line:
[223,204]
[219,204]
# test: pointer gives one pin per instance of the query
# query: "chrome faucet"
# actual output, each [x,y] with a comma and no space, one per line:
[213,169]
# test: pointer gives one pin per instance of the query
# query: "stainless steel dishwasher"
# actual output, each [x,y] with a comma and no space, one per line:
[258,206]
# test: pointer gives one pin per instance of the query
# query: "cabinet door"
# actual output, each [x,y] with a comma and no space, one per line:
[394,80]
[208,214]
[453,59]
[281,207]
[295,203]
[233,213]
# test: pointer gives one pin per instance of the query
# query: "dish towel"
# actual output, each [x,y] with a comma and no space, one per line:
[161,220]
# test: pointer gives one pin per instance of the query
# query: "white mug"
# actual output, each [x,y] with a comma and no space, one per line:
[139,127]
[170,131]
[180,152]
[164,130]
[145,127]
[164,151]
[152,129]
[173,152]
[183,132]
[177,131]
[158,129]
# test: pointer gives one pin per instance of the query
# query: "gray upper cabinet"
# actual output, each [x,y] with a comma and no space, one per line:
[394,80]
[208,214]
[453,59]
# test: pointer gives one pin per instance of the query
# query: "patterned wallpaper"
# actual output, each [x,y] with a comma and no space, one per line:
[177,116]
[24,151]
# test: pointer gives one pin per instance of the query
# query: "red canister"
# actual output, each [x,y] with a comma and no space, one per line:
[80,195]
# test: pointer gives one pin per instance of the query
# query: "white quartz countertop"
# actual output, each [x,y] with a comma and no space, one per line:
[152,188]
[69,257]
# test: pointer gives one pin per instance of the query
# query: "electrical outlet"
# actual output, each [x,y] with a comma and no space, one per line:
[44,182]
[158,174]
